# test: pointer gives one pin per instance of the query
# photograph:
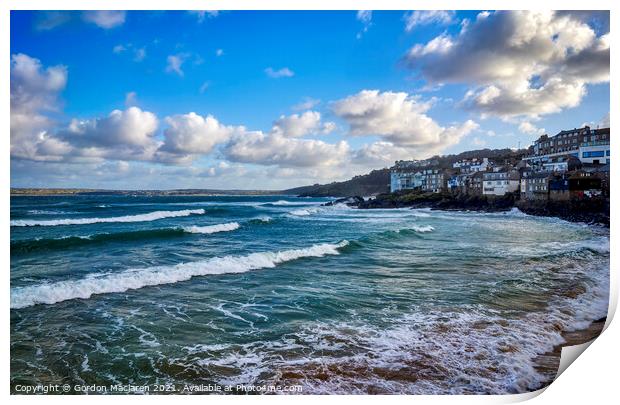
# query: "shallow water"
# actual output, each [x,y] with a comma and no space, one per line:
[281,290]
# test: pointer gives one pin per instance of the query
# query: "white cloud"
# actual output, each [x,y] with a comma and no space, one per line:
[307,103]
[174,63]
[191,134]
[528,128]
[47,20]
[122,135]
[105,18]
[139,55]
[399,119]
[365,16]
[426,17]
[219,52]
[297,125]
[519,63]
[201,15]
[120,48]
[34,93]
[131,99]
[274,149]
[283,72]
[204,87]
[382,153]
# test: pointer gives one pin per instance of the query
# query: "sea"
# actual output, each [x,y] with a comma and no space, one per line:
[280,291]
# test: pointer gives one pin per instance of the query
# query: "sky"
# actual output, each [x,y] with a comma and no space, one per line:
[275,99]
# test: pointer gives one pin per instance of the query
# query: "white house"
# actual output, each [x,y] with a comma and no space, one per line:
[500,183]
[472,165]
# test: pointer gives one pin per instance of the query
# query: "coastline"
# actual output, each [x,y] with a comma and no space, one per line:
[589,211]
[547,364]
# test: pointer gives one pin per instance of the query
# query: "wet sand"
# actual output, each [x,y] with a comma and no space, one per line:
[547,364]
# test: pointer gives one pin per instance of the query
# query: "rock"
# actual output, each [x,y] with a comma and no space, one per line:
[349,201]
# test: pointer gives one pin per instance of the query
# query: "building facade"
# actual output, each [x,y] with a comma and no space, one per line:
[432,180]
[500,182]
[473,165]
[595,149]
[535,186]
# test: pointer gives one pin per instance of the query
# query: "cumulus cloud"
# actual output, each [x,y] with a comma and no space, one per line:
[399,119]
[381,153]
[34,94]
[298,125]
[276,74]
[191,134]
[528,128]
[520,63]
[274,149]
[425,17]
[122,135]
[104,18]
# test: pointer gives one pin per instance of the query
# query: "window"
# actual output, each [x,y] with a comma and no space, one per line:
[598,153]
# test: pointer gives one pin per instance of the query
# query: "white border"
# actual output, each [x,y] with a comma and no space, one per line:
[593,376]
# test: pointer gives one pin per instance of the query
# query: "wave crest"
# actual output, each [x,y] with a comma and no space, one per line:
[133,279]
[231,226]
[304,212]
[151,216]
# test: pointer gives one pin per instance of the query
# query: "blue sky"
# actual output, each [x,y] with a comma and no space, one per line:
[370,95]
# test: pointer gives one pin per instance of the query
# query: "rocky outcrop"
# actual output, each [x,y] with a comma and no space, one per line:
[354,201]
[594,210]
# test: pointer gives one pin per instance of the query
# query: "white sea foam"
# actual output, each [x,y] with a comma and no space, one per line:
[264,218]
[151,216]
[598,244]
[231,226]
[302,212]
[421,229]
[133,279]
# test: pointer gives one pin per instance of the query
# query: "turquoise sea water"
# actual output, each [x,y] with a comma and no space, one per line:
[282,291]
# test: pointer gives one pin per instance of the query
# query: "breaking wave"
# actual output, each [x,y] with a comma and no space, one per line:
[65,242]
[419,229]
[302,212]
[151,216]
[51,293]
[231,226]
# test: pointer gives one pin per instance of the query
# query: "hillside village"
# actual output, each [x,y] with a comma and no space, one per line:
[574,164]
